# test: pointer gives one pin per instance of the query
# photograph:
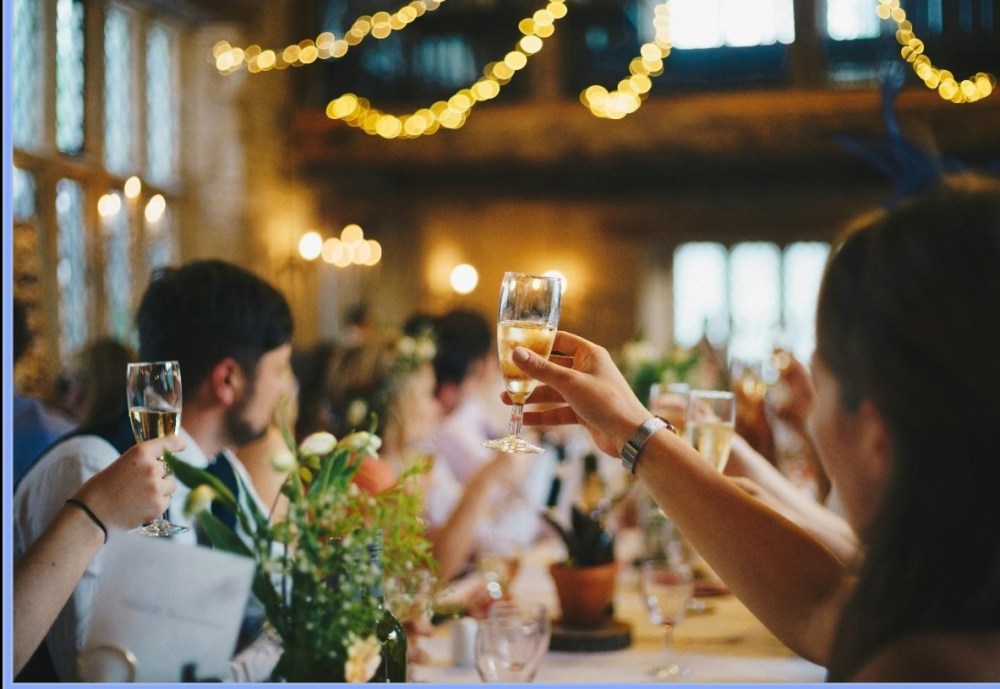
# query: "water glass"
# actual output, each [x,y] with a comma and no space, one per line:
[511,643]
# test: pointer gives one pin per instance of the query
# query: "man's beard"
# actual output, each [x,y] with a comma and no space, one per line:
[238,428]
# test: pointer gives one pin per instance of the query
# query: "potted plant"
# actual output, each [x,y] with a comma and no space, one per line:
[585,580]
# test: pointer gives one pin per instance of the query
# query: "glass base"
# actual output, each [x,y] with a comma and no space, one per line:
[513,444]
[670,672]
[161,528]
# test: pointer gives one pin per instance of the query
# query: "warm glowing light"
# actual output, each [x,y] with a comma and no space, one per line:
[562,279]
[333,250]
[375,254]
[310,246]
[133,187]
[352,235]
[155,208]
[109,205]
[464,278]
[362,252]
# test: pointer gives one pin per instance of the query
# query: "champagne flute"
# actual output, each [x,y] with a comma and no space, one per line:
[667,588]
[711,419]
[154,408]
[529,315]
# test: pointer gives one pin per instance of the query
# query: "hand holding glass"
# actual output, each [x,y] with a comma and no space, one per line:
[711,419]
[154,408]
[529,316]
[667,588]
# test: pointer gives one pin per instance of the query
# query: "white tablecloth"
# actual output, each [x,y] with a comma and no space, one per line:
[725,643]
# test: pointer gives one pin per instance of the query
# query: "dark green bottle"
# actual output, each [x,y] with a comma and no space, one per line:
[388,630]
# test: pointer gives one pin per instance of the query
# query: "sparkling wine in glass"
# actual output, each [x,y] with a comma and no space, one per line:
[667,588]
[154,408]
[529,316]
[711,419]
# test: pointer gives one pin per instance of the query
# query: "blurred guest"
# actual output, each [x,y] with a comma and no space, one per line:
[36,425]
[358,325]
[917,479]
[311,367]
[394,379]
[93,381]
[230,331]
[466,368]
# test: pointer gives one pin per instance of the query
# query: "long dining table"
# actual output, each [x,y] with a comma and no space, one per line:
[720,640]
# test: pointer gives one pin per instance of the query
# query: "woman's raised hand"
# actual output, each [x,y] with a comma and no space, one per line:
[583,386]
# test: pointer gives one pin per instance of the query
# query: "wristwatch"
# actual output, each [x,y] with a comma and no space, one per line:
[633,446]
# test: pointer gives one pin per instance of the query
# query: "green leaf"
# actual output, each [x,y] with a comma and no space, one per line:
[221,536]
[192,477]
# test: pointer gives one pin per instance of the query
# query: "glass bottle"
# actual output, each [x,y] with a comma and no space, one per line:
[388,630]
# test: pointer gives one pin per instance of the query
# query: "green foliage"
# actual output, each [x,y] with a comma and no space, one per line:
[314,572]
[588,543]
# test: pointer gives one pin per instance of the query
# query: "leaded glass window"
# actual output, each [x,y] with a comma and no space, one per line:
[117,91]
[160,246]
[733,23]
[754,296]
[69,75]
[72,267]
[700,302]
[26,74]
[755,299]
[24,195]
[804,263]
[117,268]
[849,20]
[161,107]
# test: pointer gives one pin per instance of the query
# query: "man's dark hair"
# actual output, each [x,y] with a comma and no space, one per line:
[463,337]
[22,335]
[208,310]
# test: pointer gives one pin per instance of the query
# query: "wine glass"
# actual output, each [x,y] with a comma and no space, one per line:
[528,317]
[511,643]
[410,596]
[667,587]
[536,613]
[154,408]
[498,560]
[711,419]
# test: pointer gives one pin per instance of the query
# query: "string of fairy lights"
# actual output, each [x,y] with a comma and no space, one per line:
[623,100]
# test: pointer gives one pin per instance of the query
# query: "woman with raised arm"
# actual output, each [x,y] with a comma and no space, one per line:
[130,492]
[908,406]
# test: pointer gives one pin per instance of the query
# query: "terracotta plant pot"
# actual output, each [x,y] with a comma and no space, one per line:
[584,593]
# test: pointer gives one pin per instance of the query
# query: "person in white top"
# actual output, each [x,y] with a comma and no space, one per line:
[231,333]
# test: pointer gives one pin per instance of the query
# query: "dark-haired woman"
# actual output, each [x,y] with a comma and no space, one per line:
[908,409]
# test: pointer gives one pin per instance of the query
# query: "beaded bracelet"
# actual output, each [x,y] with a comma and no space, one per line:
[90,513]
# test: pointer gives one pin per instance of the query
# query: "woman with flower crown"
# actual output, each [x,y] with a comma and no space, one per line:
[393,378]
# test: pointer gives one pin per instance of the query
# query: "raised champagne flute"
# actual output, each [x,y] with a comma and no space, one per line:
[529,316]
[154,408]
[710,423]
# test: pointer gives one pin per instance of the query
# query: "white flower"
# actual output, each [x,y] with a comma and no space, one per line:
[199,500]
[406,346]
[283,461]
[426,349]
[319,444]
[361,442]
[363,658]
[356,412]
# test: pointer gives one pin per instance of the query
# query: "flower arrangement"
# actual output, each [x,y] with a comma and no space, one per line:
[642,366]
[315,575]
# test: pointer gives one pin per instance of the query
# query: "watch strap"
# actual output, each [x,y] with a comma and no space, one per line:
[634,445]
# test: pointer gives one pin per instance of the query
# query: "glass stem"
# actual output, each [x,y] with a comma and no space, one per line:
[516,420]
[668,644]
